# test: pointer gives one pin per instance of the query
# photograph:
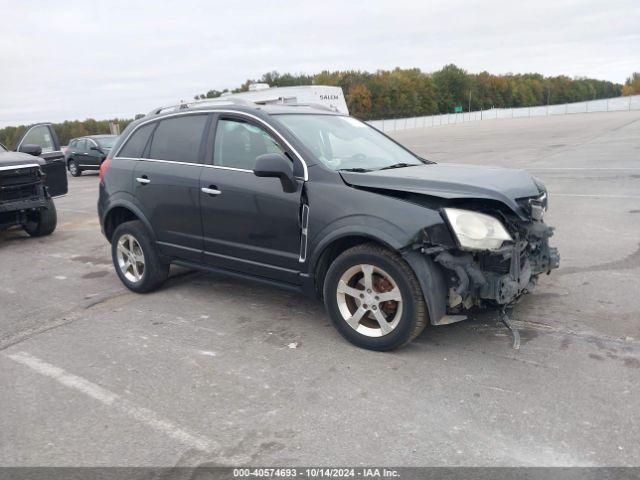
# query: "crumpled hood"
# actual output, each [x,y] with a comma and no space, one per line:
[16,159]
[452,181]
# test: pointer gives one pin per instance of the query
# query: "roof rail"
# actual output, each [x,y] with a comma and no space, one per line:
[232,99]
[197,103]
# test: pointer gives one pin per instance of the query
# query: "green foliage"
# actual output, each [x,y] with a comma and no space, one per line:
[632,85]
[10,136]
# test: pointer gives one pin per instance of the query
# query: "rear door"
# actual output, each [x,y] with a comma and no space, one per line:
[167,184]
[250,224]
[45,136]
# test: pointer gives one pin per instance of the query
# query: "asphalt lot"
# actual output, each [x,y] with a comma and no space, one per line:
[211,370]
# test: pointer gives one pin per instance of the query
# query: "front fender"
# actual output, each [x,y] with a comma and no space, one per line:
[377,229]
[432,282]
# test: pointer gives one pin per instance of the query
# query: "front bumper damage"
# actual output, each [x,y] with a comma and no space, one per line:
[22,192]
[500,277]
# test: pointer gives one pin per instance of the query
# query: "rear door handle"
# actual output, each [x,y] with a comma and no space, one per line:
[212,190]
[143,180]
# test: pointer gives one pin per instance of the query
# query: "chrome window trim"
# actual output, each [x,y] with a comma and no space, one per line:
[18,167]
[208,111]
[156,160]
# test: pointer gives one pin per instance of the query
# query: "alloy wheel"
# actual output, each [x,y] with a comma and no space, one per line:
[130,258]
[369,300]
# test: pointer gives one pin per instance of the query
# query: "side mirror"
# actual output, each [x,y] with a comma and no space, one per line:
[97,149]
[35,150]
[276,165]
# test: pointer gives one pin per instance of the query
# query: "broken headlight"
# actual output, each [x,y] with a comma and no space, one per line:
[476,231]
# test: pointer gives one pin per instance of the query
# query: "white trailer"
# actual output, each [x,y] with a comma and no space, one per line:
[261,93]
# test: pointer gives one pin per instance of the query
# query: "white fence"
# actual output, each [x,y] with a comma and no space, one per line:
[604,105]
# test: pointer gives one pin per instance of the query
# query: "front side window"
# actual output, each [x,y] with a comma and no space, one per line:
[178,139]
[40,135]
[344,143]
[137,142]
[107,142]
[238,144]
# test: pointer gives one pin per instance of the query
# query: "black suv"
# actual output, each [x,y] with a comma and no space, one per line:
[29,179]
[88,153]
[322,203]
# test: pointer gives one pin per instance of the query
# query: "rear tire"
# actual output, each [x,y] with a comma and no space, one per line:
[43,222]
[374,298]
[136,259]
[74,169]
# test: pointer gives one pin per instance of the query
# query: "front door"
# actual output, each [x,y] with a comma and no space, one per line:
[250,224]
[94,155]
[55,167]
[167,185]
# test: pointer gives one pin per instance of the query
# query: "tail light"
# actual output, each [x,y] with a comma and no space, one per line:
[104,166]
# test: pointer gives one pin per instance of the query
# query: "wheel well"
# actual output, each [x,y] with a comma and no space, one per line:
[115,217]
[332,251]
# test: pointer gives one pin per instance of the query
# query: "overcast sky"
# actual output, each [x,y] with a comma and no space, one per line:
[68,60]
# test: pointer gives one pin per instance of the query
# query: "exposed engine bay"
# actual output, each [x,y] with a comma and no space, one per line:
[498,277]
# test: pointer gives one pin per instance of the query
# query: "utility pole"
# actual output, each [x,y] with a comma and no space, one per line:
[469,100]
[548,95]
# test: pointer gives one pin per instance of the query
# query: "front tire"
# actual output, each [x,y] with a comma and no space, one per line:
[136,258]
[374,298]
[43,222]
[74,169]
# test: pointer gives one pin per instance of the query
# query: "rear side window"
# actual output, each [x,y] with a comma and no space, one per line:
[178,139]
[136,143]
[81,144]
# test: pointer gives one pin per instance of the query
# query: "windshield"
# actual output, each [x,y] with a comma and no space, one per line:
[107,142]
[344,143]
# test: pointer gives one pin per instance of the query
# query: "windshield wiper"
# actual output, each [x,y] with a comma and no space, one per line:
[399,165]
[355,169]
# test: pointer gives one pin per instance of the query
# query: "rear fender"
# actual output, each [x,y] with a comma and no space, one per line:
[122,203]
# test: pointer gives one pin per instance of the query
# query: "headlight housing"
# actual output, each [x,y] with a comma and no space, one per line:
[477,231]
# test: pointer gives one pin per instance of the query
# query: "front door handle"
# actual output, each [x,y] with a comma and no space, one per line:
[212,190]
[143,180]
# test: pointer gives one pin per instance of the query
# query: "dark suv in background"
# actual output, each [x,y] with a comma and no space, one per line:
[319,202]
[88,153]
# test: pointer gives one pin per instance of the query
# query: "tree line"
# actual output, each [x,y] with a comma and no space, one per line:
[10,136]
[403,93]
[411,92]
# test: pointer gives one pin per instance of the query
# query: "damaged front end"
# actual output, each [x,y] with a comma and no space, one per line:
[499,274]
